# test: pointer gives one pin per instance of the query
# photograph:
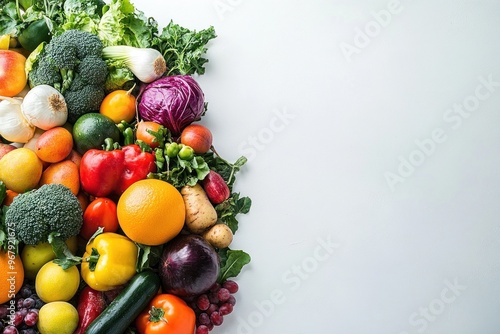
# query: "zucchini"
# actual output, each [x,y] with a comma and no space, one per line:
[123,310]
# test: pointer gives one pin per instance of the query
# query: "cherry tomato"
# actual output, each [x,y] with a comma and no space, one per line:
[142,133]
[101,212]
[198,137]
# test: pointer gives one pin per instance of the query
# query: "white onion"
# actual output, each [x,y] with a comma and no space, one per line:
[45,107]
[13,125]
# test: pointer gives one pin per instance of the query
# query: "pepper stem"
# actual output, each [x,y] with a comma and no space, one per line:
[156,314]
[92,259]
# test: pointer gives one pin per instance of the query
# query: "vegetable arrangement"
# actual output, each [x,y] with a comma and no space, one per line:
[117,214]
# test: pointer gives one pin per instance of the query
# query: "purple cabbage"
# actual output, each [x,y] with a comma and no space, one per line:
[173,101]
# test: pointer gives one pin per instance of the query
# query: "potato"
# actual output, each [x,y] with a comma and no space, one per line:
[200,213]
[219,235]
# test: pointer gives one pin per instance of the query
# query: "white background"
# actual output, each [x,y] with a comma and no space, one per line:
[348,113]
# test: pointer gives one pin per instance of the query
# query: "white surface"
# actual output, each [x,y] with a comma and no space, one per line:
[320,172]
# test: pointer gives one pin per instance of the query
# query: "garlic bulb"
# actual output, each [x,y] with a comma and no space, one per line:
[45,107]
[13,125]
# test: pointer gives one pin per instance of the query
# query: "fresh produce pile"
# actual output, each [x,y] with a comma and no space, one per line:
[117,214]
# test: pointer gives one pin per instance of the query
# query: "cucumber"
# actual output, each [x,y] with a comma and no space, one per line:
[123,310]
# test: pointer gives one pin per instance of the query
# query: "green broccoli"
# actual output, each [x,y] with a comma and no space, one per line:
[89,97]
[71,62]
[38,213]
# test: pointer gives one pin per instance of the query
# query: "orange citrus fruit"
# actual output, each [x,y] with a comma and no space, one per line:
[119,105]
[11,275]
[151,212]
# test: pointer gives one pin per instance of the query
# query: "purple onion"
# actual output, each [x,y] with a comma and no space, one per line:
[173,101]
[189,266]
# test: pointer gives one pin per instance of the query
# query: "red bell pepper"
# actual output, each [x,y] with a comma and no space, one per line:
[110,172]
[91,303]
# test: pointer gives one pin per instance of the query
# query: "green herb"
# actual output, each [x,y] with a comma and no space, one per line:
[230,208]
[232,261]
[226,169]
[184,49]
[148,256]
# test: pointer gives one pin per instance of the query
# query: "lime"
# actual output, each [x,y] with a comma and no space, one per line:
[91,129]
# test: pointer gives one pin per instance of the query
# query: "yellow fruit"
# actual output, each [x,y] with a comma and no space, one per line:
[20,170]
[53,283]
[57,318]
[35,256]
[4,42]
[151,212]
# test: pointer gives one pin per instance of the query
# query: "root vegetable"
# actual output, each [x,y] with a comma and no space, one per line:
[219,235]
[200,213]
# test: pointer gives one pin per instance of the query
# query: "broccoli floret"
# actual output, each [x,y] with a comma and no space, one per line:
[87,99]
[72,63]
[45,74]
[79,42]
[37,213]
[95,65]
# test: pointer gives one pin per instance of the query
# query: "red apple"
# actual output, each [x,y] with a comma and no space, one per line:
[12,73]
[5,148]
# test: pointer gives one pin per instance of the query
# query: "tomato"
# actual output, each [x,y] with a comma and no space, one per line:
[101,212]
[142,133]
[198,137]
[166,313]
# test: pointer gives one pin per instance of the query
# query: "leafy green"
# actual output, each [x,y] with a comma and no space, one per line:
[230,208]
[226,169]
[232,262]
[148,256]
[180,172]
[184,49]
[123,24]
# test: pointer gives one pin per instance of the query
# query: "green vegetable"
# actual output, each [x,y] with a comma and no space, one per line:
[35,33]
[184,49]
[232,261]
[72,63]
[123,24]
[185,153]
[123,310]
[37,213]
[172,149]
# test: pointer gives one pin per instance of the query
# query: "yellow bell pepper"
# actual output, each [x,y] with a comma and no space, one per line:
[109,261]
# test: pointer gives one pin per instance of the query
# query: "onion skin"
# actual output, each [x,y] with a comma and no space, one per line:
[189,266]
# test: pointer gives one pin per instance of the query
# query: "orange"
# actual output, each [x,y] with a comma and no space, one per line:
[65,173]
[9,197]
[54,145]
[11,275]
[151,212]
[119,105]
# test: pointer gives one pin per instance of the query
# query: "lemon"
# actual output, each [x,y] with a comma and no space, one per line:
[57,318]
[4,42]
[20,170]
[53,283]
[35,256]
